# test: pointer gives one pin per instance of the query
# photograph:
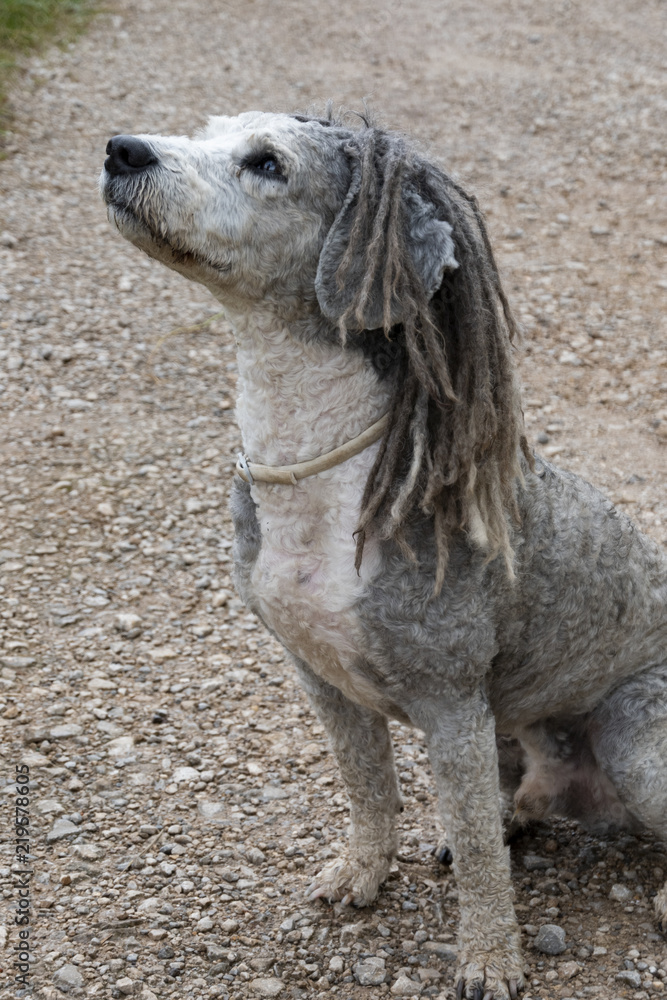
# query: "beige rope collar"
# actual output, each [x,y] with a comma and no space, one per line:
[251,472]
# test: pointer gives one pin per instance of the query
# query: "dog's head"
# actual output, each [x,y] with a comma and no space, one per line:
[264,205]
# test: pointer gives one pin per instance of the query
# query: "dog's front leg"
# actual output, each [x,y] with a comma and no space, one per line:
[461,739]
[362,745]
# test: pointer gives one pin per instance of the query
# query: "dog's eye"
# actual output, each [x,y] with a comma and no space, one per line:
[267,165]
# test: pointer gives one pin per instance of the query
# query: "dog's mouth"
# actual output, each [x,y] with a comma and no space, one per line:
[135,227]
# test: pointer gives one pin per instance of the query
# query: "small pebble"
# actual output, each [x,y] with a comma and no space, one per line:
[403,986]
[620,893]
[550,940]
[60,829]
[370,972]
[267,987]
[533,863]
[630,978]
[68,978]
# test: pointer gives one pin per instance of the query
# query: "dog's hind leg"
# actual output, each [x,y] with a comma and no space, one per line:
[362,744]
[461,740]
[629,738]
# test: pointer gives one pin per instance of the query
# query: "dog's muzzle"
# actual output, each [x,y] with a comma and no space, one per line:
[128,155]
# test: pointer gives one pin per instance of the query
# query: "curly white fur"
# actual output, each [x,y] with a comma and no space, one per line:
[304,579]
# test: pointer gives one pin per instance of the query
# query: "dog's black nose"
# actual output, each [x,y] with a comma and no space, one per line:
[128,155]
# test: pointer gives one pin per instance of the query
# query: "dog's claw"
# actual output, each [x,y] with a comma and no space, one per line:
[486,981]
[442,855]
[316,894]
[349,879]
[322,893]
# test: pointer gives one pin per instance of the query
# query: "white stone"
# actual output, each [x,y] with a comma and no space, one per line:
[405,987]
[127,620]
[370,972]
[620,893]
[35,759]
[185,774]
[67,978]
[270,987]
[77,405]
[65,731]
[89,852]
[210,685]
[255,856]
[17,662]
[350,932]
[61,828]
[44,807]
[110,728]
[161,653]
[119,747]
[212,811]
[149,905]
[101,684]
[195,506]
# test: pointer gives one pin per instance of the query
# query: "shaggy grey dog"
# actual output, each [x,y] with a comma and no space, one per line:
[438,574]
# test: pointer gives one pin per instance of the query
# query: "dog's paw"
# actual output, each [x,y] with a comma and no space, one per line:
[491,978]
[350,879]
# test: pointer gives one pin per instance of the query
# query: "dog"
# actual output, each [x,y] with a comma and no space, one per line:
[392,528]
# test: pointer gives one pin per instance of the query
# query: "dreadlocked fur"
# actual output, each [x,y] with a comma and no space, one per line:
[452,445]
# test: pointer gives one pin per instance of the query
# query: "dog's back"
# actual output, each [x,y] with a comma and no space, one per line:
[590,606]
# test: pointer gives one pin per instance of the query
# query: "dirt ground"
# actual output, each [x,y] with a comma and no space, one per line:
[182,793]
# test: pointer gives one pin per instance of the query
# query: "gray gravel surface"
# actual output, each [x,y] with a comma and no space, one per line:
[183,793]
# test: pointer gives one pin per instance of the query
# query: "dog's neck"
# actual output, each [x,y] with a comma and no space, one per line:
[299,399]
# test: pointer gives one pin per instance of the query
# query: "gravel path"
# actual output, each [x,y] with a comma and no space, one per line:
[182,792]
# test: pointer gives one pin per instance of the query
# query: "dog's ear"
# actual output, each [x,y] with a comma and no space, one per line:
[427,240]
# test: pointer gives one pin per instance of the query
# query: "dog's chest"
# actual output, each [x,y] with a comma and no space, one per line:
[297,401]
[304,580]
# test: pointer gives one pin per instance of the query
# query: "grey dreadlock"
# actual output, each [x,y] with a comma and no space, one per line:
[456,426]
